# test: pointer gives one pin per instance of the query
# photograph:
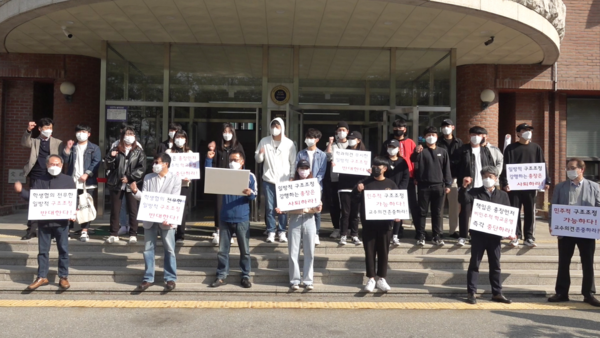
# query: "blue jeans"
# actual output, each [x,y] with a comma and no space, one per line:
[302,229]
[270,206]
[318,221]
[124,214]
[242,231]
[168,240]
[62,243]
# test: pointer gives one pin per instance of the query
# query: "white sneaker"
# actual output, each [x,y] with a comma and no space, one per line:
[383,285]
[271,237]
[317,240]
[514,243]
[295,287]
[461,242]
[343,240]
[215,234]
[395,241]
[132,239]
[356,241]
[215,240]
[335,233]
[123,230]
[282,237]
[112,239]
[84,236]
[530,243]
[370,285]
[232,240]
[309,287]
[421,242]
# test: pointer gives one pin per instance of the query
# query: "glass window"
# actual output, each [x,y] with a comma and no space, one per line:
[422,78]
[583,118]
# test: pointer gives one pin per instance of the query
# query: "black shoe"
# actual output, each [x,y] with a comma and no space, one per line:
[170,286]
[592,301]
[558,298]
[428,237]
[501,299]
[455,235]
[29,235]
[218,282]
[472,299]
[246,283]
[144,286]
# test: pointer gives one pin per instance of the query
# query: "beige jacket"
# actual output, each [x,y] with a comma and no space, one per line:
[56,148]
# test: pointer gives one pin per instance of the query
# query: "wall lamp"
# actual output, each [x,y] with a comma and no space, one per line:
[487,97]
[67,89]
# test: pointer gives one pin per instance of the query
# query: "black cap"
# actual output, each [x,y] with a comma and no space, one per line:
[303,164]
[478,130]
[394,143]
[523,126]
[342,124]
[355,134]
[447,122]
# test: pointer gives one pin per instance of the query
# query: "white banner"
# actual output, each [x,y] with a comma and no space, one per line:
[575,221]
[354,162]
[528,176]
[156,207]
[226,181]
[46,204]
[386,204]
[493,218]
[185,165]
[301,194]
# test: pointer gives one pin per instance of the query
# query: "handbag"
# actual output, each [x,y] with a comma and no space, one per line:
[86,212]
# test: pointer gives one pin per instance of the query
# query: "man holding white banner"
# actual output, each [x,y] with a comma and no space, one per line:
[483,241]
[576,191]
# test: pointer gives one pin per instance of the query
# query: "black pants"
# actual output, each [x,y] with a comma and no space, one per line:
[463,220]
[566,248]
[376,241]
[218,203]
[430,195]
[116,197]
[525,198]
[86,224]
[31,225]
[180,234]
[349,218]
[334,205]
[398,229]
[480,243]
[413,202]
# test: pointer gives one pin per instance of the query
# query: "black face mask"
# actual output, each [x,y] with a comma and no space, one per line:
[375,171]
[398,133]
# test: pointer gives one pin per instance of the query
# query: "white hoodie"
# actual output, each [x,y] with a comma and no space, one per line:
[278,162]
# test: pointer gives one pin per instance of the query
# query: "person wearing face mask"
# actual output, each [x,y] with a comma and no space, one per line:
[317,160]
[434,179]
[376,233]
[161,180]
[451,144]
[472,158]
[83,160]
[278,155]
[181,145]
[168,143]
[576,190]
[302,229]
[482,242]
[349,203]
[49,229]
[235,219]
[497,154]
[223,149]
[399,174]
[521,152]
[127,164]
[41,147]
[340,141]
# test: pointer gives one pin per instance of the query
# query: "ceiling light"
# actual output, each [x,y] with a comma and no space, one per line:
[280,11]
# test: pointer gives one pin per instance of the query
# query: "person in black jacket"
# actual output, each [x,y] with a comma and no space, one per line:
[471,158]
[127,163]
[483,242]
[228,144]
[168,143]
[451,144]
[59,229]
[399,174]
[434,179]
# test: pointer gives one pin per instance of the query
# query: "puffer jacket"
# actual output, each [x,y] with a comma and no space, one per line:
[132,166]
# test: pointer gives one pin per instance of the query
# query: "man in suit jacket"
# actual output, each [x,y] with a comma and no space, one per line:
[165,182]
[41,147]
[576,191]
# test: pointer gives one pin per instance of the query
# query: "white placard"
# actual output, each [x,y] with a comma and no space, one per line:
[301,194]
[575,221]
[156,207]
[116,113]
[185,165]
[528,176]
[354,162]
[493,218]
[49,204]
[386,204]
[226,181]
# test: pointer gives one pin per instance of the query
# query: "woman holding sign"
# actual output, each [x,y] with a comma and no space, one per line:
[181,145]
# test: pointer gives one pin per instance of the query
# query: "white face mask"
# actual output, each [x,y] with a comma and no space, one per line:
[489,182]
[157,168]
[527,135]
[54,171]
[342,135]
[179,142]
[303,173]
[46,132]
[227,137]
[476,140]
[431,139]
[572,174]
[129,139]
[275,131]
[171,134]
[393,151]
[234,165]
[352,143]
[82,137]
[310,142]
[447,130]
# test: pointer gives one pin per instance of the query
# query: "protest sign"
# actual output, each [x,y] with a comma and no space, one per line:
[354,162]
[386,204]
[45,204]
[156,207]
[528,176]
[226,181]
[185,165]
[575,221]
[493,218]
[301,194]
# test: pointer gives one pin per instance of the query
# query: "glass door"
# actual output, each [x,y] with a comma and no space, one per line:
[294,130]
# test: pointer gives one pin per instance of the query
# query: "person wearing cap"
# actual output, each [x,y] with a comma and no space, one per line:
[471,158]
[399,174]
[483,242]
[451,144]
[521,152]
[348,203]
[340,141]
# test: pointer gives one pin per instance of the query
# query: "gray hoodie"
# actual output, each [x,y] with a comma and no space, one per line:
[278,161]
